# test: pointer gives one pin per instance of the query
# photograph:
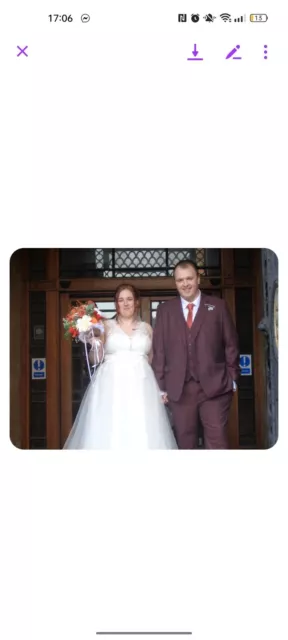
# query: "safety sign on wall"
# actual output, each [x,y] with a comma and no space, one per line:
[246,365]
[38,368]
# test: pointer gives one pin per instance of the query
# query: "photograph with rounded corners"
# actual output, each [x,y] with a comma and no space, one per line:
[143,349]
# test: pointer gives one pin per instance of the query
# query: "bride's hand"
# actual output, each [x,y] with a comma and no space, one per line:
[96,343]
[96,353]
[164,398]
[97,333]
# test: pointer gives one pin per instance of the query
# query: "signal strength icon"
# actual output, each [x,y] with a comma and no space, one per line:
[241,19]
[226,17]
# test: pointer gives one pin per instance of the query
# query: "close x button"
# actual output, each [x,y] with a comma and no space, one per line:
[22,51]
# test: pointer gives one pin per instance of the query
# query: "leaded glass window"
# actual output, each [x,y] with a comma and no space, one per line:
[127,263]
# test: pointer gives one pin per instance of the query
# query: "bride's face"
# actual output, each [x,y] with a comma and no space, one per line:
[126,304]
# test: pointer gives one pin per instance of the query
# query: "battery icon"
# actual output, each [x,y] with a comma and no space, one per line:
[258,17]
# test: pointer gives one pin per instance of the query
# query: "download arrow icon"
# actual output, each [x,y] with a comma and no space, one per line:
[195,54]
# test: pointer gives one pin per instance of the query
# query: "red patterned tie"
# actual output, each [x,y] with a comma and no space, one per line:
[190,315]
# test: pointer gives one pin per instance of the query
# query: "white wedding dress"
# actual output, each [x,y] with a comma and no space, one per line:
[122,407]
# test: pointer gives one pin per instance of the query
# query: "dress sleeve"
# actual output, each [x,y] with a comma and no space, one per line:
[149,330]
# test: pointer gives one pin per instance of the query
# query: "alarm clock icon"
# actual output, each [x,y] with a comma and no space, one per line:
[195,17]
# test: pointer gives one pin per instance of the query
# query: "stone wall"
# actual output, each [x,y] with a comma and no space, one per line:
[269,326]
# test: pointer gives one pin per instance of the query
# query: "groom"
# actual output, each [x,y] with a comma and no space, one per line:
[196,360]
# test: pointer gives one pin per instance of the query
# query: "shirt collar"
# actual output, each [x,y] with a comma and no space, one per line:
[196,302]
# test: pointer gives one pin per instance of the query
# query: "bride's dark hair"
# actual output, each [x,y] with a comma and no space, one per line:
[136,296]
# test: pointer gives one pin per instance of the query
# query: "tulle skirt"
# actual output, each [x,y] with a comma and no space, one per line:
[122,409]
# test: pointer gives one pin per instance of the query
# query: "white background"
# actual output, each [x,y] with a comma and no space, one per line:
[111,138]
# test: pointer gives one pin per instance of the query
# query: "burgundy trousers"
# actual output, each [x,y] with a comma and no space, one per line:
[213,413]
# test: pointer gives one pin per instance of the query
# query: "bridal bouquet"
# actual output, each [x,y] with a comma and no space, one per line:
[83,321]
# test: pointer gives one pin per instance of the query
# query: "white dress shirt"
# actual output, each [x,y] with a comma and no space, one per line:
[196,303]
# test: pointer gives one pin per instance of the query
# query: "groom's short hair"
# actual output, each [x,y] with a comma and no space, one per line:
[186,263]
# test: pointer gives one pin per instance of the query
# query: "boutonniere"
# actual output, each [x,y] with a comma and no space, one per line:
[211,307]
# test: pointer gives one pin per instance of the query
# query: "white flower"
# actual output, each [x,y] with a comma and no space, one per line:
[83,324]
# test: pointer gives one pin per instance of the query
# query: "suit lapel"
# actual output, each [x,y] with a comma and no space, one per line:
[179,317]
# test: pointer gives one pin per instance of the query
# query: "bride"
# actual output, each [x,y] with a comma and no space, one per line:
[122,407]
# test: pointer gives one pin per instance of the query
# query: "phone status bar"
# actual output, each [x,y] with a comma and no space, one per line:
[223,17]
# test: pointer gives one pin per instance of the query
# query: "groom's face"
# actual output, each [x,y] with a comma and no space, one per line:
[187,282]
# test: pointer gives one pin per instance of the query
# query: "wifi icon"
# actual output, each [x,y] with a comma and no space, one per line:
[226,17]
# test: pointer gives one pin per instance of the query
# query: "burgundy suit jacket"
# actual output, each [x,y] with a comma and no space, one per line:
[216,347]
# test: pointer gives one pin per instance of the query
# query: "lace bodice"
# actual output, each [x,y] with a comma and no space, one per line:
[117,341]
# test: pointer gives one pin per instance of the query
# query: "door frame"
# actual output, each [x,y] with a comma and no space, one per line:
[66,363]
[58,295]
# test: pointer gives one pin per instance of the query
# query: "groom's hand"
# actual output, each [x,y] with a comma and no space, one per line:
[164,397]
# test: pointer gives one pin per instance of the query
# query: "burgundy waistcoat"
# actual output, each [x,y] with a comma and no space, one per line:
[191,366]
